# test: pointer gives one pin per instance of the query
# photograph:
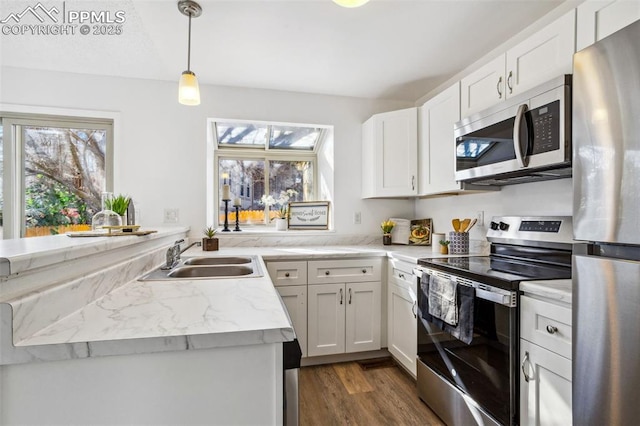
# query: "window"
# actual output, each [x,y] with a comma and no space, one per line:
[265,165]
[60,168]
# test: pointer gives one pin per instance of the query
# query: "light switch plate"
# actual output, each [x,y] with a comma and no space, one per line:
[171,215]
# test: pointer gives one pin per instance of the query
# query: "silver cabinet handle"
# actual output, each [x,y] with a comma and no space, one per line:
[341,295]
[414,309]
[552,329]
[525,360]
[401,276]
[498,87]
[349,295]
[413,183]
[509,79]
[326,272]
[522,157]
[286,274]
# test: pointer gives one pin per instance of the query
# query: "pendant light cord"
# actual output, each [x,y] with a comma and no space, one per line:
[189,45]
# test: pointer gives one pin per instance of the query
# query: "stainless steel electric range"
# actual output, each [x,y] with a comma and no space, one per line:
[468,368]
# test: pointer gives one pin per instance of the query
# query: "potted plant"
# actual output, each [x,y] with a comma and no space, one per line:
[444,246]
[281,216]
[119,205]
[387,227]
[209,243]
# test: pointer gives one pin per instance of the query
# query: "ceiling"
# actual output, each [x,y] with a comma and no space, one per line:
[391,49]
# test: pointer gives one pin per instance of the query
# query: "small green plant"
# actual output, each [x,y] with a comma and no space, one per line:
[445,242]
[209,232]
[118,204]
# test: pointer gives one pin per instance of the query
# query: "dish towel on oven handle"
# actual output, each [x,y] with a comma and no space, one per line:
[443,299]
[466,307]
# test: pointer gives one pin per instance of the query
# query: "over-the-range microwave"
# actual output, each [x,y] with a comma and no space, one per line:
[526,138]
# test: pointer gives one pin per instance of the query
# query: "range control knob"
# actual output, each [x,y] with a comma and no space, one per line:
[504,226]
[494,226]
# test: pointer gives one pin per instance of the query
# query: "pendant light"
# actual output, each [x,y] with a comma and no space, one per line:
[188,90]
[350,3]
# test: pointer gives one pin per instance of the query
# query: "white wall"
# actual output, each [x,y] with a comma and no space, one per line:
[529,199]
[160,156]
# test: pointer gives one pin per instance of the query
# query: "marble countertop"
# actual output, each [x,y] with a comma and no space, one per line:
[148,316]
[231,309]
[558,290]
[23,254]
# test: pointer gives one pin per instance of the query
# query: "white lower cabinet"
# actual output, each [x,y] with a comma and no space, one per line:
[545,374]
[295,300]
[344,317]
[402,314]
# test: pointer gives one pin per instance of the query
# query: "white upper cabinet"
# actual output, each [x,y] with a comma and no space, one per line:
[483,88]
[437,143]
[541,57]
[598,19]
[390,154]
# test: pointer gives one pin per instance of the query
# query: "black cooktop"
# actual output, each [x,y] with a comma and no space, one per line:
[497,271]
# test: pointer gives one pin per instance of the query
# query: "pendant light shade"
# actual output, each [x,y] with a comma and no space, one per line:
[350,3]
[188,89]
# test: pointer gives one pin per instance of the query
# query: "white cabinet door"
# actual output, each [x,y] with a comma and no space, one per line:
[391,169]
[326,322]
[546,398]
[402,326]
[598,19]
[541,57]
[483,88]
[363,315]
[437,142]
[295,300]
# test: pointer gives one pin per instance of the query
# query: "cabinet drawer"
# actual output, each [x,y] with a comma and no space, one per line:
[341,271]
[287,273]
[546,324]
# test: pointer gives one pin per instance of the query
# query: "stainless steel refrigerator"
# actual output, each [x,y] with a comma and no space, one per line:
[606,215]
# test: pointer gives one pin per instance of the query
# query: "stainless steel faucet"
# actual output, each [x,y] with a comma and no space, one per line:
[174,252]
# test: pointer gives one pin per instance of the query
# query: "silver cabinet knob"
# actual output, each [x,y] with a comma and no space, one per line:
[364,271]
[551,329]
[286,274]
[326,272]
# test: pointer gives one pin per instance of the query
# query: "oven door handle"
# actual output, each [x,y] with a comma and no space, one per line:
[502,299]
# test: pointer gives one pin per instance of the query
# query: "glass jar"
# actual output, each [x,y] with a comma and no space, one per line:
[105,217]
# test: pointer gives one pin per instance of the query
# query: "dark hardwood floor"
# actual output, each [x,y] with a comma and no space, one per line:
[348,394]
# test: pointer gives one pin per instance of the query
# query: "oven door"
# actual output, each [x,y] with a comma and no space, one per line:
[484,370]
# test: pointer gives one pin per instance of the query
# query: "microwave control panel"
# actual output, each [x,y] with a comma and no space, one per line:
[546,128]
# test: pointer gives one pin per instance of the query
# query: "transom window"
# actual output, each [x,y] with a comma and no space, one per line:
[266,165]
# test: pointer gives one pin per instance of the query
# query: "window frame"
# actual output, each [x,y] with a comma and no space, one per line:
[14,156]
[247,152]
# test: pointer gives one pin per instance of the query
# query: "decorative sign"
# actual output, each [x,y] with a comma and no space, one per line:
[309,215]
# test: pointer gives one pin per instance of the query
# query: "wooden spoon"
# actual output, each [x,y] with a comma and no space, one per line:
[465,223]
[456,224]
[473,222]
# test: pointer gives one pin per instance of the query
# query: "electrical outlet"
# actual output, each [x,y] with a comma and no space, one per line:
[171,215]
[357,218]
[480,217]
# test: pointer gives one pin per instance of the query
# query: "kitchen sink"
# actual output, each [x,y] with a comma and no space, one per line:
[208,268]
[210,271]
[217,260]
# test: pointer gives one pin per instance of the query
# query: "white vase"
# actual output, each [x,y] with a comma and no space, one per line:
[281,224]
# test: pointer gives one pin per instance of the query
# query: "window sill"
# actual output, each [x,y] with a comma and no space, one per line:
[272,232]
